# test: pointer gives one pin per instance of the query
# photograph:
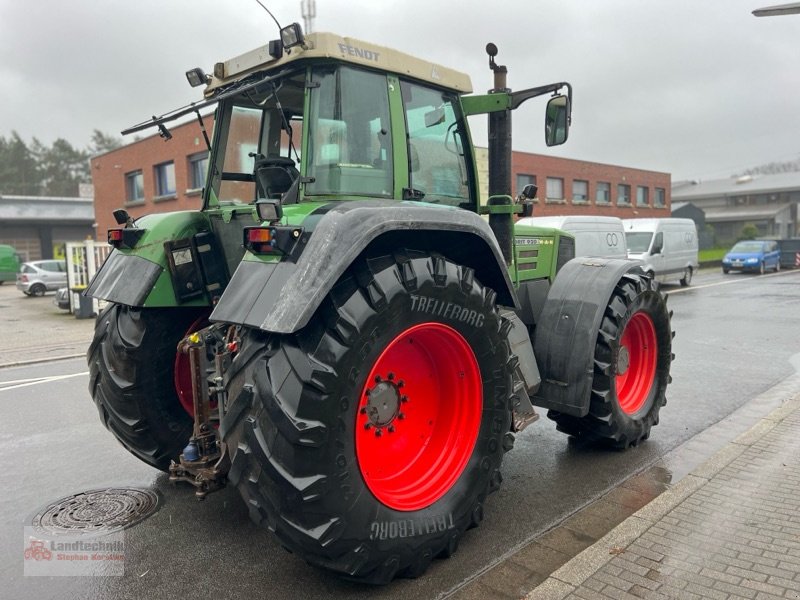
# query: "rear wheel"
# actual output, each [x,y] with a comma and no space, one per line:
[631,367]
[778,265]
[369,440]
[137,381]
[686,280]
[37,289]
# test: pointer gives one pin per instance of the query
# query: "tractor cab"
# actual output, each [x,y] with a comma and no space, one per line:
[338,119]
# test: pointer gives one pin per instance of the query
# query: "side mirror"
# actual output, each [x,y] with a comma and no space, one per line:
[556,120]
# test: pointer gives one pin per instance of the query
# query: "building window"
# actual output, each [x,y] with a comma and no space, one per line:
[198,169]
[523,180]
[661,198]
[165,179]
[134,186]
[555,188]
[580,191]
[603,193]
[642,195]
[623,194]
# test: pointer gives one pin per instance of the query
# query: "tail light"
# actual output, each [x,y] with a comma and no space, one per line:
[124,237]
[263,240]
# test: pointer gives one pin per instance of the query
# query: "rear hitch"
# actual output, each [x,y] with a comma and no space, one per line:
[204,462]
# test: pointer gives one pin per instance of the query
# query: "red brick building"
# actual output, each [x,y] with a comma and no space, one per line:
[577,187]
[151,175]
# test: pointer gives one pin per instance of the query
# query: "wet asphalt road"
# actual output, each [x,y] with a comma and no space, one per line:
[736,336]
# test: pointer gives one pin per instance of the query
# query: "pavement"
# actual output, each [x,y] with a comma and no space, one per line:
[36,330]
[728,530]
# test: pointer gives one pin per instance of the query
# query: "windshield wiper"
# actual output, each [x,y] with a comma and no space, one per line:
[195,107]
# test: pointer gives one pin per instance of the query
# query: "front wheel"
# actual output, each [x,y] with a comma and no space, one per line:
[138,381]
[762,268]
[369,440]
[632,360]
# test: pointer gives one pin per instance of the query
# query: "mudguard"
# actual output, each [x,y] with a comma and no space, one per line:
[139,276]
[281,297]
[566,333]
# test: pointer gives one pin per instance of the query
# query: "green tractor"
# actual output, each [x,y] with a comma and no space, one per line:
[346,332]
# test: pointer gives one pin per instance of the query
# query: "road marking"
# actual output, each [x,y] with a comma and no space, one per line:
[729,281]
[21,383]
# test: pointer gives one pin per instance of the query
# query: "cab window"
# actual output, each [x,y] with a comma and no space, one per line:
[260,124]
[349,140]
[437,165]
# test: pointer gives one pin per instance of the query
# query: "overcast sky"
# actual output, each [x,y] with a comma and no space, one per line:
[698,88]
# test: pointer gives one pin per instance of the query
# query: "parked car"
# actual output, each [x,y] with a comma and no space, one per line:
[9,263]
[61,299]
[753,255]
[40,276]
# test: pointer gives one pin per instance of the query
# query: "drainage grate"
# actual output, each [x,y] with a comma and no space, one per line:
[95,511]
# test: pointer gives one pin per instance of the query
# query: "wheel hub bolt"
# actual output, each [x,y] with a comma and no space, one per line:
[382,402]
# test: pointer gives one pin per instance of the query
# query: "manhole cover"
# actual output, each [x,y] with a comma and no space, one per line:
[95,511]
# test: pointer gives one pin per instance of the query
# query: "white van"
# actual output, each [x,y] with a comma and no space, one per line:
[594,235]
[667,247]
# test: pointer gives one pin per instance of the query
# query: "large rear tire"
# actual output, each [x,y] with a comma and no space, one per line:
[632,360]
[133,379]
[369,440]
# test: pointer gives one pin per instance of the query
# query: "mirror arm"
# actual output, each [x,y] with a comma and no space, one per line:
[521,96]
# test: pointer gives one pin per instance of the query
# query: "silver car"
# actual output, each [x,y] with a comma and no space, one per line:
[40,276]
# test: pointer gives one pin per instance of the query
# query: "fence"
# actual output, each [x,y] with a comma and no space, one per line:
[83,261]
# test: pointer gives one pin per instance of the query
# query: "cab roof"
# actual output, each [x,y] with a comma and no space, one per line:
[346,49]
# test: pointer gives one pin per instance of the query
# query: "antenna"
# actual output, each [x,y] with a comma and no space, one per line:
[309,10]
[270,14]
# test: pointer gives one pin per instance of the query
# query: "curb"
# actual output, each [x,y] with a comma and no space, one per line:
[34,361]
[576,571]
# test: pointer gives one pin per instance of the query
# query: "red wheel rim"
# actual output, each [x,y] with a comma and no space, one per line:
[182,371]
[418,416]
[636,364]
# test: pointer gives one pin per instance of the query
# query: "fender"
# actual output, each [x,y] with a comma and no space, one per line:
[281,297]
[566,333]
[139,276]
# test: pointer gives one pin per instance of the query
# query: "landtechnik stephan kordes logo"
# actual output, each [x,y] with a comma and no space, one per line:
[102,555]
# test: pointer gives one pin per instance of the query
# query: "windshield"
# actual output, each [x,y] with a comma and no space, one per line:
[748,247]
[259,141]
[638,241]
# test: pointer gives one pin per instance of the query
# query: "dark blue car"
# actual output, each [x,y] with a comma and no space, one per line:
[753,255]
